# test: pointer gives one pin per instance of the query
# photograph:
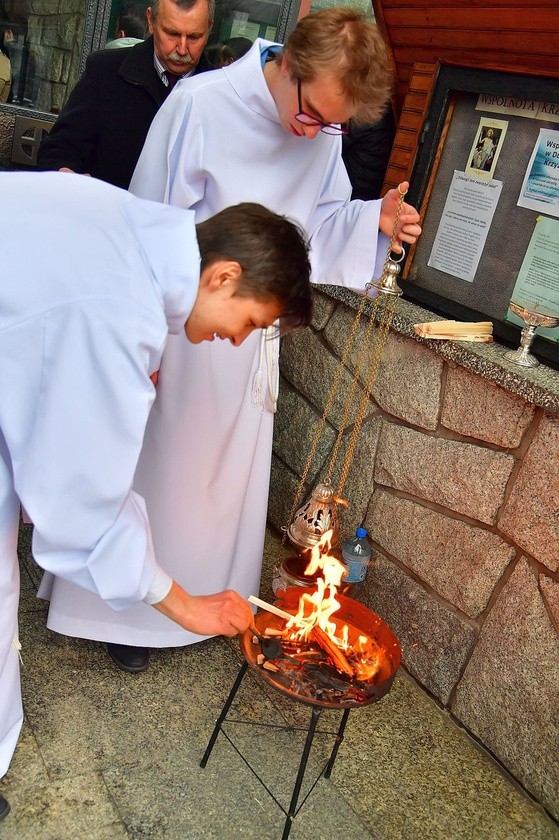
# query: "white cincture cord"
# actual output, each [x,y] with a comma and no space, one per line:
[265,396]
[16,645]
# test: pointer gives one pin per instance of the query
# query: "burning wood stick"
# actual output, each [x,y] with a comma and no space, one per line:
[307,654]
[338,658]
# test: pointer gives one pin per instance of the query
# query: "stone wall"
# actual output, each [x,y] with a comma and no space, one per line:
[55,40]
[457,480]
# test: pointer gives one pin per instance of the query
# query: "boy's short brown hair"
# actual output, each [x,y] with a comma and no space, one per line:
[272,252]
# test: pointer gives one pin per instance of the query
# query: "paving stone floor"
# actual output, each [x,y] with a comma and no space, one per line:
[107,756]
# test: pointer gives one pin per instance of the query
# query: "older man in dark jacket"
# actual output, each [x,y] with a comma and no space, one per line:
[103,126]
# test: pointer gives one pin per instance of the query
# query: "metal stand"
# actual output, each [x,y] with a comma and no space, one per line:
[293,810]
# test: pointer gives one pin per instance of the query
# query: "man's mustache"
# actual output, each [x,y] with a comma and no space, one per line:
[181,59]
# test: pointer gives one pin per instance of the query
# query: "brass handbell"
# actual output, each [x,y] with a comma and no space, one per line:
[318,515]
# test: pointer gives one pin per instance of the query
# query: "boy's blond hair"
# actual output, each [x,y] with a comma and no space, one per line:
[342,43]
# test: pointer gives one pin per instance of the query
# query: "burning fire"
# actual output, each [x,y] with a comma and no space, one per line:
[359,657]
[316,609]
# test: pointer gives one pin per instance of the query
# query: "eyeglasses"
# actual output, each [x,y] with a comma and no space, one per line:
[307,119]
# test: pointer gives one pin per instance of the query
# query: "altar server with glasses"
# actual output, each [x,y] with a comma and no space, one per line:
[266,128]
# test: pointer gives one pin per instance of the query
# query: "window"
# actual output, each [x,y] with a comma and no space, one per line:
[43,46]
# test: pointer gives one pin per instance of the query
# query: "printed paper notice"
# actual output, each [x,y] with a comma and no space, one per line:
[465,222]
[540,189]
[537,284]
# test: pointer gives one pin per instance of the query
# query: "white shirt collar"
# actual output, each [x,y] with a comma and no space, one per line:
[162,73]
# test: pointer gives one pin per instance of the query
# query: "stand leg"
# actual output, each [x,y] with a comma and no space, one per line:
[337,744]
[302,767]
[223,714]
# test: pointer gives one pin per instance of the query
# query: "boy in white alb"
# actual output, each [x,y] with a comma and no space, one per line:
[84,317]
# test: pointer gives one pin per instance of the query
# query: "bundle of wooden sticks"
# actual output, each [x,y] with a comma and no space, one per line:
[301,650]
[456,330]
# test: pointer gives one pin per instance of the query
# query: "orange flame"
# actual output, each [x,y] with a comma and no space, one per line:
[316,610]
[367,659]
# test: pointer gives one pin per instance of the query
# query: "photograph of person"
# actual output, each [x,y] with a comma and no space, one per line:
[486,148]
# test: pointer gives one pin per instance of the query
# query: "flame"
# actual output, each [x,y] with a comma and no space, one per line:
[367,659]
[316,610]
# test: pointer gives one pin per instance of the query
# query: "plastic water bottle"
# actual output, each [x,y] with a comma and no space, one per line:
[356,554]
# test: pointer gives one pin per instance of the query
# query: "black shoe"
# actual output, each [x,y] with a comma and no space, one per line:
[4,807]
[129,658]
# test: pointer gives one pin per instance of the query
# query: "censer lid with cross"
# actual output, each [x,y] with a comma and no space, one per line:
[309,523]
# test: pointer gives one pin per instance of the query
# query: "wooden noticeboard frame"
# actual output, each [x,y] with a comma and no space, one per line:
[445,143]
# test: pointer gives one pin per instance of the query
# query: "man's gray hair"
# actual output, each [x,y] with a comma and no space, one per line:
[185,5]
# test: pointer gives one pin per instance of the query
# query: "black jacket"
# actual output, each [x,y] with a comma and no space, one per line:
[365,152]
[102,128]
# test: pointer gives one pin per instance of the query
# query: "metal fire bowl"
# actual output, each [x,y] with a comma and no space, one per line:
[352,613]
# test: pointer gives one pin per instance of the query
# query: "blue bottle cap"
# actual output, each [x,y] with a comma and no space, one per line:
[361,532]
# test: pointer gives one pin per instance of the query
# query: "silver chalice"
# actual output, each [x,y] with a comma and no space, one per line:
[533,318]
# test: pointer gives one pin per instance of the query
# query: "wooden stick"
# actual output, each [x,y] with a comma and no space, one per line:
[484,339]
[459,327]
[339,659]
[487,339]
[269,607]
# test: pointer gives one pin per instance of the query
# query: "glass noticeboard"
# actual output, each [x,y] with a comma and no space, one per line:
[486,180]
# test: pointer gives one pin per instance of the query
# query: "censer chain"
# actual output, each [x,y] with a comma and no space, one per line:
[327,408]
[382,335]
[351,396]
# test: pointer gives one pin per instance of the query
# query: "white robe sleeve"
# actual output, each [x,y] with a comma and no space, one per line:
[170,167]
[344,235]
[75,429]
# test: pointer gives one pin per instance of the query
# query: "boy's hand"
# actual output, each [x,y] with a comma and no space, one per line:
[222,614]
[407,229]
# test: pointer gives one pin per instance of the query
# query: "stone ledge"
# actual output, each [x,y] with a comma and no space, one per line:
[537,385]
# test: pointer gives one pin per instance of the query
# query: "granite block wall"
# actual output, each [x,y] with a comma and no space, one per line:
[457,480]
[55,36]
